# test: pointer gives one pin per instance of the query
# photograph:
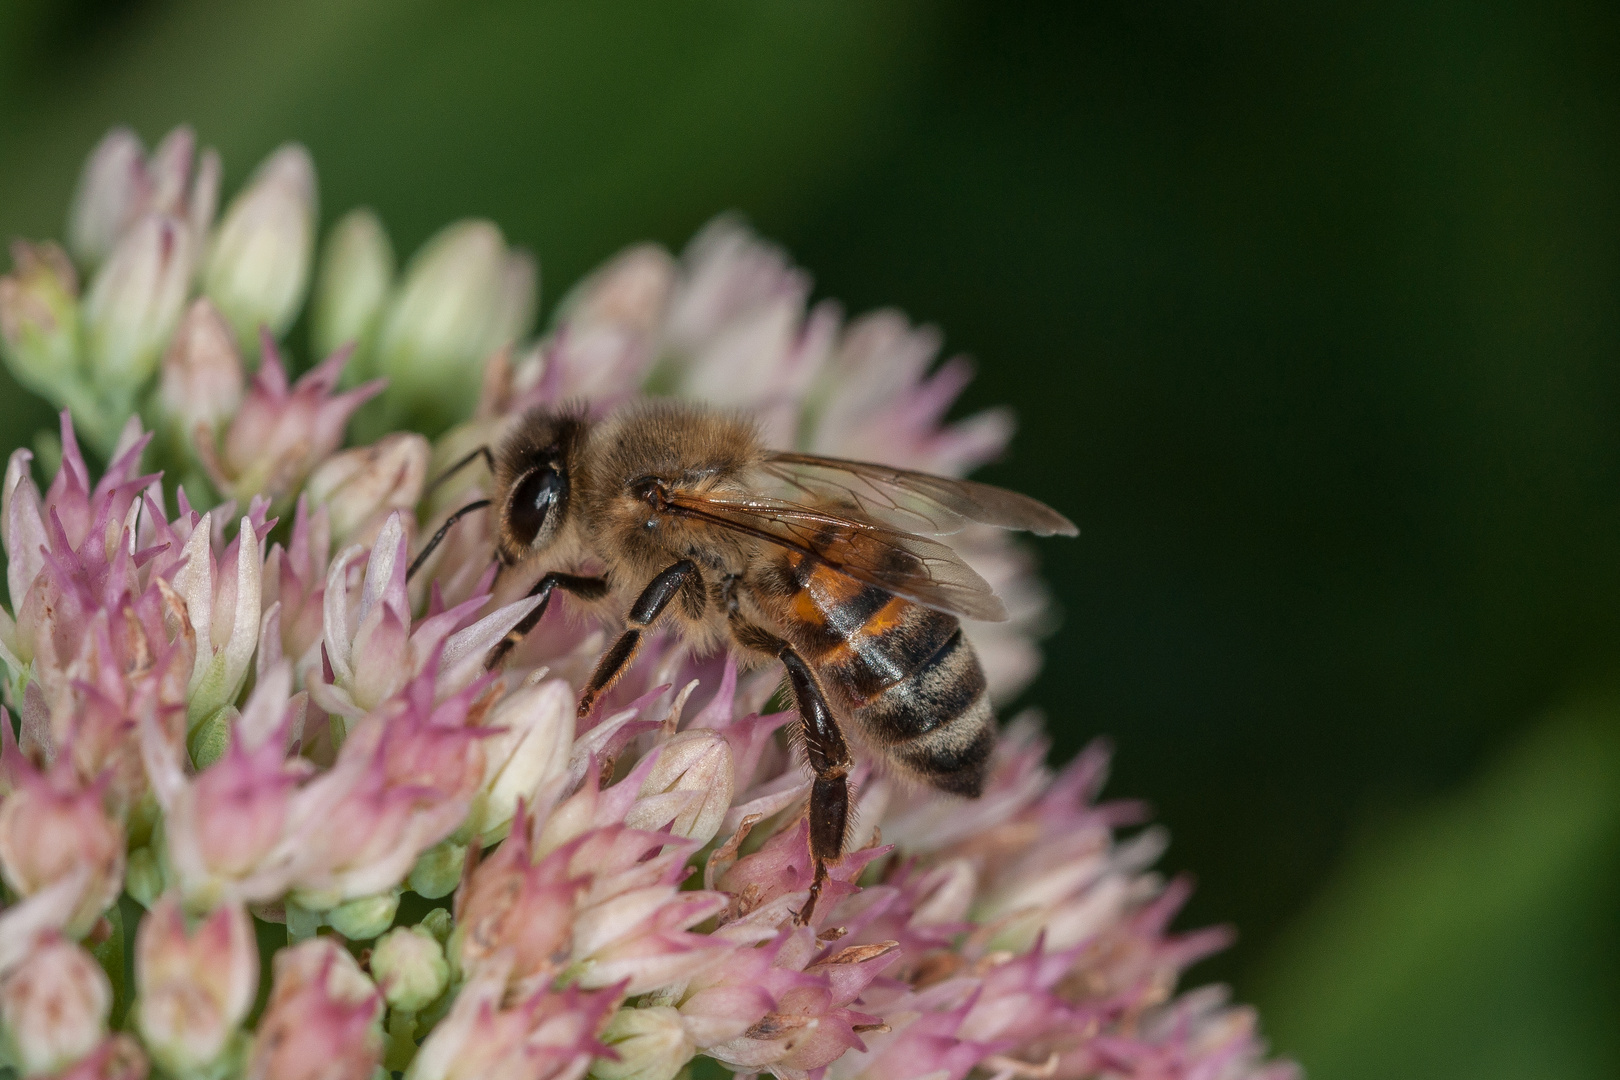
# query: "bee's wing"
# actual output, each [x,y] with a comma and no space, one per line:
[914,502]
[914,567]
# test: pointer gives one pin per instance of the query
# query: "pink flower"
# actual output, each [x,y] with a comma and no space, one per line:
[604,902]
[99,639]
[281,432]
[293,590]
[542,1035]
[130,308]
[371,647]
[222,607]
[362,487]
[195,987]
[807,1023]
[526,754]
[51,828]
[118,1057]
[883,404]
[689,789]
[233,831]
[200,387]
[738,324]
[605,343]
[322,1020]
[54,1007]
[519,910]
[403,781]
[1197,1037]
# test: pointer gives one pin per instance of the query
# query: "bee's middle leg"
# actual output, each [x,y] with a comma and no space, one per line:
[825,750]
[643,613]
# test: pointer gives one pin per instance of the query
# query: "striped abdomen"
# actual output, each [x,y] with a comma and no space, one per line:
[906,674]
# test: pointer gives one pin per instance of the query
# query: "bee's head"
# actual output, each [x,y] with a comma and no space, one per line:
[532,473]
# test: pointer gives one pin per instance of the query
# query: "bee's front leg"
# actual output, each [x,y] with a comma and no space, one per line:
[586,588]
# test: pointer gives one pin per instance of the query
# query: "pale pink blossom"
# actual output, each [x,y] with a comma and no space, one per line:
[53,1006]
[282,432]
[404,779]
[52,828]
[311,738]
[541,1035]
[361,487]
[132,305]
[201,383]
[370,645]
[195,986]
[293,591]
[322,1020]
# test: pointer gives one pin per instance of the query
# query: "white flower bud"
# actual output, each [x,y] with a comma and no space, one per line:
[536,735]
[356,272]
[409,965]
[135,301]
[361,487]
[651,1044]
[259,259]
[54,1007]
[464,295]
[113,189]
[690,787]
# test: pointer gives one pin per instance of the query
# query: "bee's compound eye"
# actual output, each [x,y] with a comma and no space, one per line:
[532,500]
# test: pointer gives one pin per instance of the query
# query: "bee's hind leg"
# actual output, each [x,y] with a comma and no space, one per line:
[824,749]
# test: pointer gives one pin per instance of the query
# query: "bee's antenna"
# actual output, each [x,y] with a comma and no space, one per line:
[481,452]
[438,537]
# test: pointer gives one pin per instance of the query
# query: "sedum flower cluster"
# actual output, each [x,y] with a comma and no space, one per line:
[264,814]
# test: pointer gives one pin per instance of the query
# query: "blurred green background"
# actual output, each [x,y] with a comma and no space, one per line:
[1310,314]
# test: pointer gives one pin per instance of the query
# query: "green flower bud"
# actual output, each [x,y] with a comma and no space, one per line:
[259,258]
[143,876]
[438,870]
[356,273]
[438,923]
[39,319]
[465,295]
[409,965]
[365,918]
[651,1044]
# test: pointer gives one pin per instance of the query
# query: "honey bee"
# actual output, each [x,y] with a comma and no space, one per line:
[829,566]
